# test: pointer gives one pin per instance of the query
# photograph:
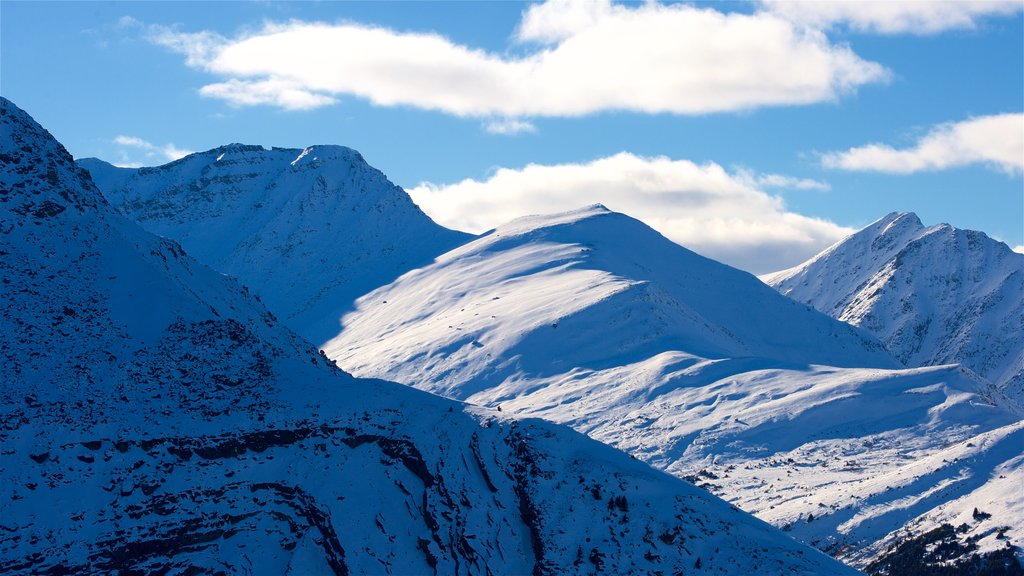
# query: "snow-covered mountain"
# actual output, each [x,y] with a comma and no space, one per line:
[592,319]
[157,419]
[307,230]
[933,295]
[529,298]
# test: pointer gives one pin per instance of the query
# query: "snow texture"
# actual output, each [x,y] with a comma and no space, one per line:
[935,295]
[155,418]
[307,230]
[592,319]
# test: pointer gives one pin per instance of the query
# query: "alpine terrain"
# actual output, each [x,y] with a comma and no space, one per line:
[157,419]
[307,230]
[592,319]
[933,295]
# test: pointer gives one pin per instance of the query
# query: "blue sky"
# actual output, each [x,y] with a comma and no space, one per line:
[741,130]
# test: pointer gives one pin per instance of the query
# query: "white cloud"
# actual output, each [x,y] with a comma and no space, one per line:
[781,181]
[648,58]
[199,48]
[127,22]
[1019,249]
[167,152]
[557,20]
[918,17]
[509,127]
[702,207]
[275,91]
[993,140]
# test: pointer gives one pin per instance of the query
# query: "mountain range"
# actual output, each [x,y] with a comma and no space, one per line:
[158,419]
[591,319]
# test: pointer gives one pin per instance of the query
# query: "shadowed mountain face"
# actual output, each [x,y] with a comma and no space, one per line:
[933,295]
[307,230]
[592,319]
[155,418]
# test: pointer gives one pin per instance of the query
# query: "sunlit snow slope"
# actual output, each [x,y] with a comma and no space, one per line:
[307,230]
[156,419]
[933,295]
[585,289]
[591,318]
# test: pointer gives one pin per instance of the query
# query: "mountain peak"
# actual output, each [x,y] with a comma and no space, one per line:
[618,290]
[39,177]
[238,147]
[893,223]
[328,153]
[892,217]
[538,222]
[337,224]
[934,295]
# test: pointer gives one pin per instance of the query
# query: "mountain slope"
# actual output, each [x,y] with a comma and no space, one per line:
[156,419]
[538,288]
[591,319]
[933,295]
[335,224]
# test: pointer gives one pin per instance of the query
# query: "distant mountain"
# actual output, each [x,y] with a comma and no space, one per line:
[933,295]
[529,297]
[156,419]
[308,230]
[592,319]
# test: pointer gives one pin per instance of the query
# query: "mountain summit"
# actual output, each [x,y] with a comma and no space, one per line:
[309,230]
[529,297]
[933,295]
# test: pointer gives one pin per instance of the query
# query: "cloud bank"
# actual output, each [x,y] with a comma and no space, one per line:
[701,206]
[583,57]
[996,141]
[918,17]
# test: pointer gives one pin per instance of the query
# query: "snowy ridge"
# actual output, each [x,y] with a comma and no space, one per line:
[155,418]
[933,295]
[336,224]
[538,288]
[591,319]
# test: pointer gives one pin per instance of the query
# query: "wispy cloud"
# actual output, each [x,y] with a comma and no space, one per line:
[781,181]
[918,17]
[1019,249]
[990,140]
[586,57]
[166,152]
[701,206]
[509,127]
